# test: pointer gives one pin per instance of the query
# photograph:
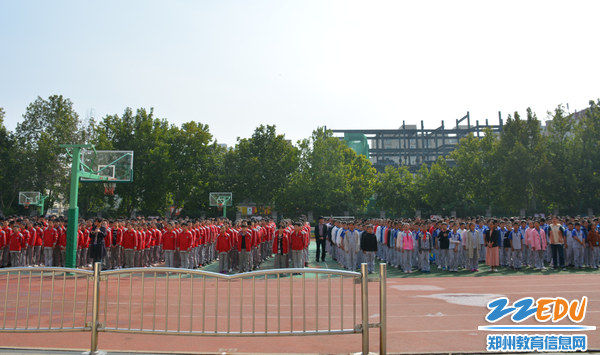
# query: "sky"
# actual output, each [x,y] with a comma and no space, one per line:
[235,65]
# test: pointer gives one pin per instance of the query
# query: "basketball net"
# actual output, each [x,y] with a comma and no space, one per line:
[220,206]
[109,188]
[26,205]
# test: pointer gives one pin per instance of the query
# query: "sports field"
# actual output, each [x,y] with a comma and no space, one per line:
[425,314]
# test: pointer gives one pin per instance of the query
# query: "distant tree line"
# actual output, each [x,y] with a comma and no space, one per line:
[520,168]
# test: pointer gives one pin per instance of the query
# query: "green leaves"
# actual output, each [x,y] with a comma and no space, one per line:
[521,167]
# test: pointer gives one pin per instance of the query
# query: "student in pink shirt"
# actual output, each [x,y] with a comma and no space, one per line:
[537,238]
[407,249]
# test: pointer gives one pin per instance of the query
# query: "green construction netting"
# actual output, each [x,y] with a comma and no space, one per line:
[358,142]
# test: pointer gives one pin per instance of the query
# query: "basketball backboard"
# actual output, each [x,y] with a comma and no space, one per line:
[116,165]
[29,197]
[222,198]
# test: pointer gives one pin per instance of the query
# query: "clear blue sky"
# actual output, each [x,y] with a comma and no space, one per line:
[300,64]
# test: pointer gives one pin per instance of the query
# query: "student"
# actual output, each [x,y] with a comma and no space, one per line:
[481,231]
[130,244]
[16,243]
[351,244]
[442,244]
[523,230]
[50,239]
[538,245]
[244,247]
[281,247]
[184,245]
[223,247]
[569,243]
[463,260]
[472,248]
[297,240]
[425,245]
[556,239]
[454,239]
[502,248]
[368,245]
[516,246]
[62,244]
[593,241]
[578,246]
[3,243]
[407,249]
[506,246]
[491,244]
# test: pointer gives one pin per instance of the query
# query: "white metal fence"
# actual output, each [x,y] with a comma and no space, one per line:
[191,302]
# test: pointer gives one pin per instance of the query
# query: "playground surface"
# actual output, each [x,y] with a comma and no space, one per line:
[424,315]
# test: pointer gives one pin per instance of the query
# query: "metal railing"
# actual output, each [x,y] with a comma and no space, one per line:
[191,302]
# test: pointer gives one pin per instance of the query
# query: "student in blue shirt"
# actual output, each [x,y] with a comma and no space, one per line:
[578,246]
[516,246]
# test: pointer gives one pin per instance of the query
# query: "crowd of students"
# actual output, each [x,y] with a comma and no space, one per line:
[181,243]
[413,244]
[409,244]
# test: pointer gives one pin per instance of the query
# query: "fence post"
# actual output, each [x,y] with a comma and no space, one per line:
[365,307]
[383,309]
[95,309]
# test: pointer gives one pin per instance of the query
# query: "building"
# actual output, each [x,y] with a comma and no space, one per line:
[412,146]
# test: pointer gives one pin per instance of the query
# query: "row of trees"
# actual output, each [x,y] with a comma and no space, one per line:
[521,168]
[179,166]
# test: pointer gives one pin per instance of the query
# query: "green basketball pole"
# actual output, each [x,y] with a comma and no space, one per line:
[73,217]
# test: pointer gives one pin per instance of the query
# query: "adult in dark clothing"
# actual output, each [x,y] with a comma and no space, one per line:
[97,246]
[492,236]
[368,244]
[321,232]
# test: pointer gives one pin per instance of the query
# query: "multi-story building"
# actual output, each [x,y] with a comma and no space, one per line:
[412,146]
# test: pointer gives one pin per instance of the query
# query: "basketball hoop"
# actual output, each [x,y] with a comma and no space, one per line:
[109,188]
[26,205]
[220,206]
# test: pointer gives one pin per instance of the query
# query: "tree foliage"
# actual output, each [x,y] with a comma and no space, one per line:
[525,166]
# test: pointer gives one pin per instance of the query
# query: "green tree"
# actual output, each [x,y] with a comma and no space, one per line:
[331,178]
[395,190]
[440,187]
[520,142]
[11,169]
[46,125]
[148,137]
[264,165]
[587,161]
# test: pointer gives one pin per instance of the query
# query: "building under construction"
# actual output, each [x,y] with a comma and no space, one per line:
[412,146]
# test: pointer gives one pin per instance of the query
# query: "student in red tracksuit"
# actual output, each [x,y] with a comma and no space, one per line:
[6,250]
[130,244]
[50,240]
[244,247]
[3,244]
[85,247]
[141,246]
[108,246]
[184,245]
[169,245]
[223,247]
[80,243]
[281,247]
[62,243]
[298,239]
[16,242]
[24,244]
[116,251]
[60,230]
[37,244]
